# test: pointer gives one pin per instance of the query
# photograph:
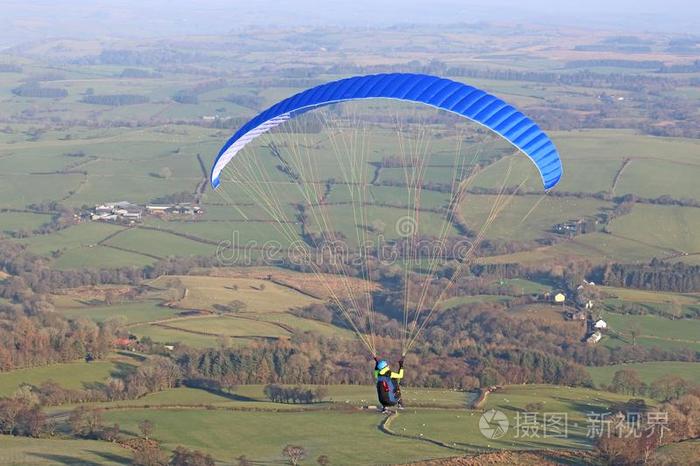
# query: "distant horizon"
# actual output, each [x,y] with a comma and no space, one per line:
[23,22]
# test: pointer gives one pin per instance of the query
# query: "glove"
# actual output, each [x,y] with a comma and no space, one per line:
[401,363]
[376,358]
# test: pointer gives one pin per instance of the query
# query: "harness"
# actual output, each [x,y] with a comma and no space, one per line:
[386,390]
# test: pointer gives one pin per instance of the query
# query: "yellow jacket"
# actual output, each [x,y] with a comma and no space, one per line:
[389,373]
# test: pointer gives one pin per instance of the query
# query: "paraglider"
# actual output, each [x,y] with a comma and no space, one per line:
[466,101]
[304,170]
[388,384]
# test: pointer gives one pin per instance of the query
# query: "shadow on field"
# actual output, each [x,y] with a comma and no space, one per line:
[216,390]
[230,396]
[112,457]
[566,459]
[65,459]
[122,369]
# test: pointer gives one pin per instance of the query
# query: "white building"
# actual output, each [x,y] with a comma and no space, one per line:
[600,324]
[594,337]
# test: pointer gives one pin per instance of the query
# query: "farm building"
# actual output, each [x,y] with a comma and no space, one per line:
[181,209]
[113,211]
[594,338]
[600,324]
[576,315]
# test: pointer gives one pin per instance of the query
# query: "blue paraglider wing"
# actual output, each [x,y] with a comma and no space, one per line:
[461,99]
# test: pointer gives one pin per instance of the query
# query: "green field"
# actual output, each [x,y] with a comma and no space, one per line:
[231,327]
[16,221]
[648,371]
[44,451]
[679,453]
[100,256]
[318,429]
[68,375]
[173,336]
[138,312]
[595,247]
[654,331]
[655,302]
[84,235]
[675,228]
[160,314]
[601,147]
[258,295]
[518,220]
[160,244]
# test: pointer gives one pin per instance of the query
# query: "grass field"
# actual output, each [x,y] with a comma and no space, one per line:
[16,221]
[68,375]
[160,244]
[259,295]
[318,429]
[654,331]
[83,235]
[595,247]
[99,257]
[231,327]
[138,312]
[172,336]
[43,451]
[679,453]
[656,302]
[675,157]
[352,225]
[648,371]
[675,228]
[518,220]
[658,176]
[159,313]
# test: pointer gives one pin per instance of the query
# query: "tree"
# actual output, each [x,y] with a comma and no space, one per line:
[93,422]
[635,331]
[627,381]
[184,457]
[165,173]
[243,461]
[76,421]
[111,434]
[294,454]
[10,412]
[115,388]
[146,428]
[668,387]
[237,305]
[323,460]
[149,455]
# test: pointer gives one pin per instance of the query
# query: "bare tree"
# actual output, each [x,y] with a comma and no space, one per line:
[150,455]
[635,331]
[146,428]
[294,454]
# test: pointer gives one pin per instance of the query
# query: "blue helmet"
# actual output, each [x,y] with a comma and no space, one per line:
[382,364]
